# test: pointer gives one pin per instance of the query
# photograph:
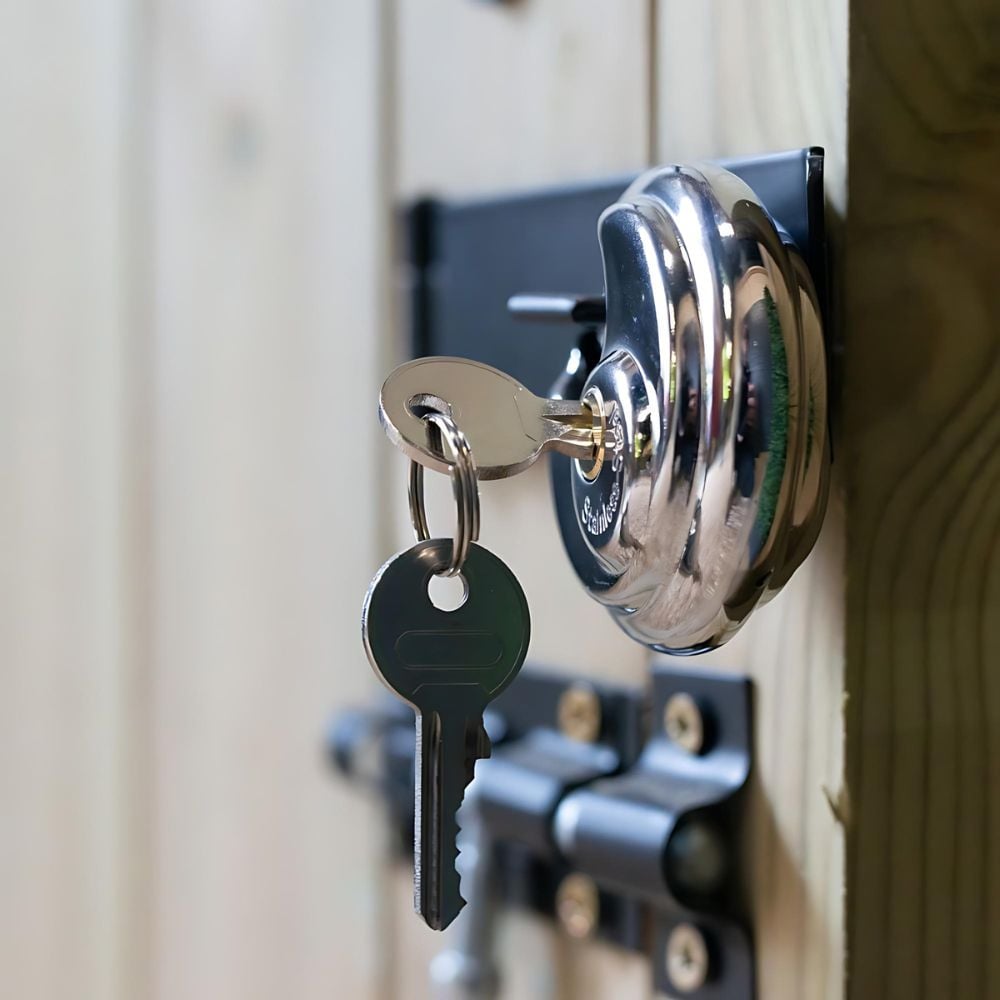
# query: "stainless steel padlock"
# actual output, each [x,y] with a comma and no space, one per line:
[713,380]
[691,477]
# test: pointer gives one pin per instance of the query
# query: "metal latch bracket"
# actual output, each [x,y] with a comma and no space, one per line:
[637,794]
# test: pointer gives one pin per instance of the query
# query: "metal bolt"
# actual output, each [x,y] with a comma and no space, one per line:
[687,958]
[684,724]
[697,858]
[579,713]
[578,905]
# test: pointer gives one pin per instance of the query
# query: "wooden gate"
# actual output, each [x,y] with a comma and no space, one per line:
[197,305]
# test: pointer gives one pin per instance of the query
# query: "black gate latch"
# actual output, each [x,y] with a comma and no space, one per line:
[616,810]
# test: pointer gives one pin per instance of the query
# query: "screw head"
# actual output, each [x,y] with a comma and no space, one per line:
[687,958]
[578,905]
[579,713]
[684,723]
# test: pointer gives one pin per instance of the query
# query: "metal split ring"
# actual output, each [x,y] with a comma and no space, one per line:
[465,486]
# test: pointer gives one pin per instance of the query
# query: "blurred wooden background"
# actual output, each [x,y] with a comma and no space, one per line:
[197,308]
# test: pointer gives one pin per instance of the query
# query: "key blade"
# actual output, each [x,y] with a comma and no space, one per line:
[447,749]
[449,665]
[507,426]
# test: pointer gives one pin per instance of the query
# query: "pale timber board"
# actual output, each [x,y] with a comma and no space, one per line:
[733,80]
[793,843]
[494,98]
[268,231]
[922,388]
[66,640]
[753,77]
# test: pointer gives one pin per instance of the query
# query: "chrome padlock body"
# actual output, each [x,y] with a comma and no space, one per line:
[713,478]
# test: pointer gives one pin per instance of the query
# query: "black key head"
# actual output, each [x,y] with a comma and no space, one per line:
[445,660]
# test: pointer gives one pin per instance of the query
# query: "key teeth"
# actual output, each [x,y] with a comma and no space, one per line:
[485,747]
[479,748]
[450,900]
[451,872]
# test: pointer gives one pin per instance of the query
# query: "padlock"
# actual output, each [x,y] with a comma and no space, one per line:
[713,383]
[691,446]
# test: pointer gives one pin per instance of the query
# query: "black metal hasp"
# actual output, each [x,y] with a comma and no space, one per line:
[667,831]
[467,258]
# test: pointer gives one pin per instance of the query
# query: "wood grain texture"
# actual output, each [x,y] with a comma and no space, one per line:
[496,97]
[722,83]
[66,640]
[268,248]
[794,847]
[735,79]
[753,77]
[922,387]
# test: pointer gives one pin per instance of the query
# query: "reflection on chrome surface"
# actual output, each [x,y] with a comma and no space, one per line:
[714,377]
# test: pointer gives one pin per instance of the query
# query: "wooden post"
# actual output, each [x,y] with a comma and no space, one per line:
[921,403]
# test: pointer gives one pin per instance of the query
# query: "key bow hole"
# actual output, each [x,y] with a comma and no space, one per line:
[447,593]
[425,403]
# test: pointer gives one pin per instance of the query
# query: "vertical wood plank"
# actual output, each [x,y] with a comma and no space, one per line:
[496,96]
[753,77]
[268,241]
[794,849]
[735,79]
[922,384]
[66,568]
[492,97]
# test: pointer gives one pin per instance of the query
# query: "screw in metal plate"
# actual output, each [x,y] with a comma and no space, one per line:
[684,723]
[579,713]
[687,958]
[578,905]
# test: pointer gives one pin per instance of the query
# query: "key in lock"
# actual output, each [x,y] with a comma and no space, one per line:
[507,426]
[691,477]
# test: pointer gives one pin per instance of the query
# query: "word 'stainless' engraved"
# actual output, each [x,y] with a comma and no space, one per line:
[597,521]
[616,428]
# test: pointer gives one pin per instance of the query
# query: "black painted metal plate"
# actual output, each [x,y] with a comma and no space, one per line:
[466,258]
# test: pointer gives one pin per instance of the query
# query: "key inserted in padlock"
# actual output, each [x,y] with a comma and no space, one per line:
[507,426]
[698,453]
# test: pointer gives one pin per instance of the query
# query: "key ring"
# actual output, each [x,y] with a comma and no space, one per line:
[465,487]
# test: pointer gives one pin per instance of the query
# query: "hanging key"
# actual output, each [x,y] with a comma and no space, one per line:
[449,665]
[507,426]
